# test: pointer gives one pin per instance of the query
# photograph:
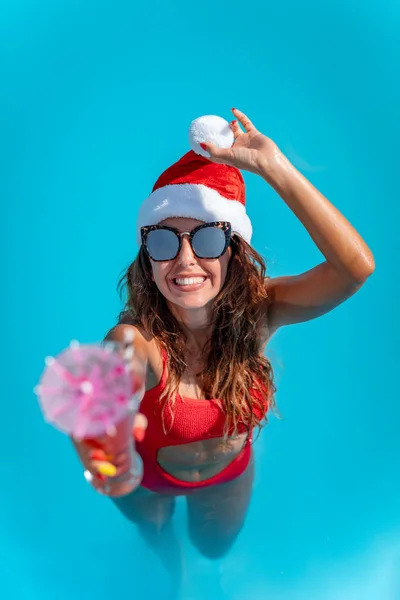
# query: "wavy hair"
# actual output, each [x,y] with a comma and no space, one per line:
[235,371]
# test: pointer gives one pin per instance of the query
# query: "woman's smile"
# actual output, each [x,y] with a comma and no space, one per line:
[188,283]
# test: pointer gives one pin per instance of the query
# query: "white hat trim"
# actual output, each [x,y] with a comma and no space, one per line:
[195,201]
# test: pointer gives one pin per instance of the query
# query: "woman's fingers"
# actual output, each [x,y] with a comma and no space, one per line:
[218,155]
[102,464]
[98,455]
[244,120]
[236,129]
[105,467]
[121,464]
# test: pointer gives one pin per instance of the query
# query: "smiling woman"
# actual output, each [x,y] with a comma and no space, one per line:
[202,311]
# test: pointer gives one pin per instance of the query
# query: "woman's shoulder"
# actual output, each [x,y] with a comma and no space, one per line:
[144,343]
[118,332]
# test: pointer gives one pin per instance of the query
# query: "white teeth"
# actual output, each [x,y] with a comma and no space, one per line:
[189,280]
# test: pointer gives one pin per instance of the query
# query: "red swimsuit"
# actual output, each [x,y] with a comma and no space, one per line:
[191,421]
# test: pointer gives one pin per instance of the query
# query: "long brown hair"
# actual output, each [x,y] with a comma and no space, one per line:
[235,372]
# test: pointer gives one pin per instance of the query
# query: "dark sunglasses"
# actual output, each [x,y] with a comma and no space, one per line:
[209,240]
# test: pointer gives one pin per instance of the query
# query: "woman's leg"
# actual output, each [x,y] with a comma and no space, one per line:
[152,514]
[216,514]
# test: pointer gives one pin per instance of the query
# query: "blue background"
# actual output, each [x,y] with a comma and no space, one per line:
[96,99]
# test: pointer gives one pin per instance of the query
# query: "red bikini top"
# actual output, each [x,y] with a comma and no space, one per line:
[188,420]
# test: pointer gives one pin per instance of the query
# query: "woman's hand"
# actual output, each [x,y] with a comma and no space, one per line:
[108,459]
[252,151]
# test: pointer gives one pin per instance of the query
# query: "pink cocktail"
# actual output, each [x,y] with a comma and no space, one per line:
[91,393]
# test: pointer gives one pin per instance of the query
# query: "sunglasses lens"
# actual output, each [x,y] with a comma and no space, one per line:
[209,242]
[162,244]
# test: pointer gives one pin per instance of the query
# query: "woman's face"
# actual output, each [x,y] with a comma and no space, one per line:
[209,274]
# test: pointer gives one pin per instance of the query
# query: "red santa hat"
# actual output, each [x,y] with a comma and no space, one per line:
[197,188]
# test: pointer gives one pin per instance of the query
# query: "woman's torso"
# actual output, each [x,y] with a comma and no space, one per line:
[195,460]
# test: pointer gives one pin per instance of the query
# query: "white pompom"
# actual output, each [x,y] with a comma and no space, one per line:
[211,129]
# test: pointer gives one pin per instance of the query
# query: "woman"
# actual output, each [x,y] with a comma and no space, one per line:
[202,312]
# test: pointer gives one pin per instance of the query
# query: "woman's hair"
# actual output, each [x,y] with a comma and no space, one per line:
[235,371]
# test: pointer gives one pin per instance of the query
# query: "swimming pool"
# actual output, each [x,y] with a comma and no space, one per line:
[96,102]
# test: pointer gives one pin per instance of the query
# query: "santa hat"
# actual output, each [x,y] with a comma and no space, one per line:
[197,188]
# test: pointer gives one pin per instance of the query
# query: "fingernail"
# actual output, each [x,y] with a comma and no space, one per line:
[203,146]
[97,455]
[139,433]
[233,108]
[233,122]
[105,468]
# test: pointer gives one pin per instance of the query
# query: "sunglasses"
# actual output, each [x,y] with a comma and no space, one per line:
[209,240]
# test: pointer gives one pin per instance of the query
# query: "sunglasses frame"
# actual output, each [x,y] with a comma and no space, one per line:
[225,226]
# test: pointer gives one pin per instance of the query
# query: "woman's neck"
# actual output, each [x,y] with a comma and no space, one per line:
[197,325]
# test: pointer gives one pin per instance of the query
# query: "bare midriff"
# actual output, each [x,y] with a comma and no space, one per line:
[198,461]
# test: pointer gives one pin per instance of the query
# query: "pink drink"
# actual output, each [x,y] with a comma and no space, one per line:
[91,393]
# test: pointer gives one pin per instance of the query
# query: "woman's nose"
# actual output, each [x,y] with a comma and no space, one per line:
[186,254]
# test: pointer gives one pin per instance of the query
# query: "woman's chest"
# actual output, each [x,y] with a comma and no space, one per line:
[188,419]
[190,385]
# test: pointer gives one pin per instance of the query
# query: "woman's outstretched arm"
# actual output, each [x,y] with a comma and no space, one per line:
[349,261]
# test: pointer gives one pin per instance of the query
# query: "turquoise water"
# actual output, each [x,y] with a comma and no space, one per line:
[95,102]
